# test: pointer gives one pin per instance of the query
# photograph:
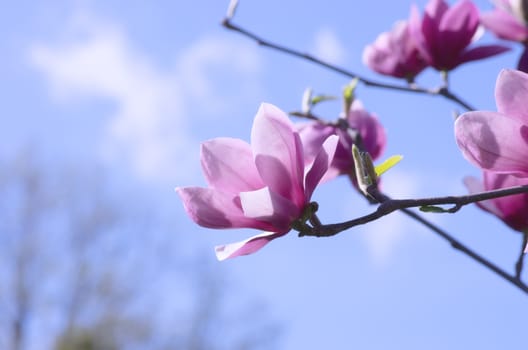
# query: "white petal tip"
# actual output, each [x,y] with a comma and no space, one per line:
[222,253]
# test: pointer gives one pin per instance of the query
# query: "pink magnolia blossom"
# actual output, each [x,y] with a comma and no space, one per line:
[498,141]
[512,210]
[509,21]
[444,33]
[395,53]
[362,125]
[263,185]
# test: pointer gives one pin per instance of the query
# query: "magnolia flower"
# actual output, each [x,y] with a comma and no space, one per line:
[359,125]
[394,53]
[263,185]
[511,209]
[509,21]
[498,141]
[444,33]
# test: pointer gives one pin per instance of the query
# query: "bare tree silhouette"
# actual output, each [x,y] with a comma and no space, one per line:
[72,276]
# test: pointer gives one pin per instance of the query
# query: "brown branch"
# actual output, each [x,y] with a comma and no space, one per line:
[442,91]
[388,205]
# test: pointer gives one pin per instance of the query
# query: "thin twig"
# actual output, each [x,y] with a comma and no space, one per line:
[388,205]
[443,91]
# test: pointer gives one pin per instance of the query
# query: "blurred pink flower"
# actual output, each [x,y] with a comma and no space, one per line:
[359,125]
[511,209]
[509,21]
[498,141]
[444,33]
[262,185]
[395,53]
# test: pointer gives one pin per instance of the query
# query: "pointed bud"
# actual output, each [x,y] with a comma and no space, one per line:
[365,170]
[348,94]
[307,101]
[233,4]
[387,164]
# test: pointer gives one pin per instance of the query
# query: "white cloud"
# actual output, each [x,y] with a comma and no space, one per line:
[401,184]
[149,130]
[210,57]
[328,47]
[383,235]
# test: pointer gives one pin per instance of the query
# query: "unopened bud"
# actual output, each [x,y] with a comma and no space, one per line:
[365,170]
[348,94]
[307,101]
[233,4]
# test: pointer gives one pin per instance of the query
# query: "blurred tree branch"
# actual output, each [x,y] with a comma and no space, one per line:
[72,251]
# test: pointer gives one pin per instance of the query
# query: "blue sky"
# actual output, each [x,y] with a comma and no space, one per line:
[138,85]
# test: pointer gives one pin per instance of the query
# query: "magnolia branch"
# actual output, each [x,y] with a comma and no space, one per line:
[388,205]
[309,224]
[373,194]
[442,91]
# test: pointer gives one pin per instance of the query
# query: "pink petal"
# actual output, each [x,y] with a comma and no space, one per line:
[394,53]
[512,209]
[457,27]
[481,52]
[416,28]
[429,32]
[504,25]
[265,205]
[246,247]
[320,165]
[493,141]
[475,185]
[215,209]
[462,16]
[371,130]
[313,135]
[228,165]
[278,153]
[435,9]
[380,58]
[511,94]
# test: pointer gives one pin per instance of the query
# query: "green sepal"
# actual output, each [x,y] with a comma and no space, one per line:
[387,164]
[348,90]
[433,209]
[348,94]
[321,98]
